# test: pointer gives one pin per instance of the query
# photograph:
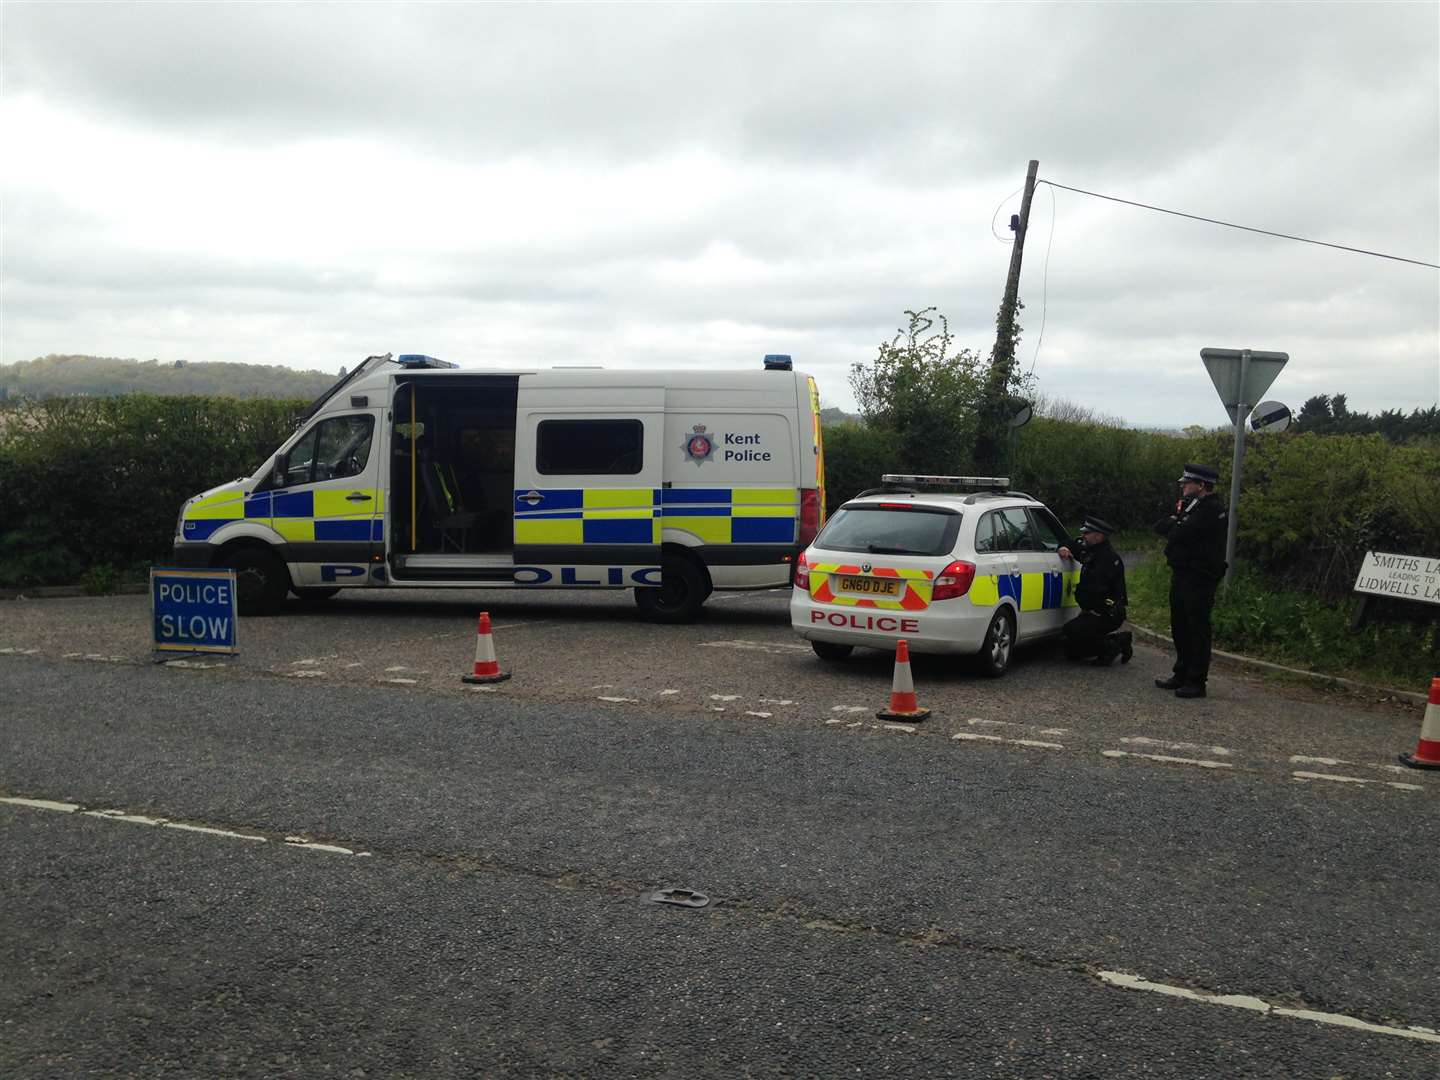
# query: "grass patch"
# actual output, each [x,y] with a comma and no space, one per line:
[1298,629]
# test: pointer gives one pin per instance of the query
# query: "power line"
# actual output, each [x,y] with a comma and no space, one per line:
[1232,225]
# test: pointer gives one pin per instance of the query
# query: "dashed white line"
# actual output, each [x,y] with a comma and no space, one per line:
[1035,744]
[403,682]
[1168,760]
[1304,777]
[755,646]
[1258,1005]
[1140,740]
[43,804]
[619,700]
[762,715]
[724,697]
[212,832]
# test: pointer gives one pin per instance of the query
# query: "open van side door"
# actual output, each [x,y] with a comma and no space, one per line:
[588,473]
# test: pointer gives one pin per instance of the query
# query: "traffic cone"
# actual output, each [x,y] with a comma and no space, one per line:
[487,668]
[903,705]
[1427,752]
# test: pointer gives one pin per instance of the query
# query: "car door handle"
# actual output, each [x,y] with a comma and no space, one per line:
[531,498]
[358,496]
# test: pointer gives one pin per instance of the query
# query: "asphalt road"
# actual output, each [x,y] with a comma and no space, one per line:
[954,898]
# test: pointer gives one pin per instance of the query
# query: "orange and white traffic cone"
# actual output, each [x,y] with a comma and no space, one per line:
[903,705]
[1427,753]
[487,668]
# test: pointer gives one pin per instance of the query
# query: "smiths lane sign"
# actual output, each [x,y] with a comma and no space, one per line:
[193,610]
[1404,577]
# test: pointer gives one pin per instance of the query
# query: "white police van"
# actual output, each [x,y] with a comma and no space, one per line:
[413,473]
[970,573]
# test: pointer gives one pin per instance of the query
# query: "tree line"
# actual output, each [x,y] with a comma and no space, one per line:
[104,376]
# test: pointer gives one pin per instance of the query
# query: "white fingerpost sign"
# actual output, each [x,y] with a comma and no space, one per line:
[1402,577]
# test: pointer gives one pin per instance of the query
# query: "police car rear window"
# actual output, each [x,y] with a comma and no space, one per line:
[880,530]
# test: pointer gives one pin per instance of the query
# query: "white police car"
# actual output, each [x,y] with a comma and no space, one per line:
[964,573]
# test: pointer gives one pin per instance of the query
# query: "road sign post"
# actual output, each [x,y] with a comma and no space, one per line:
[1241,377]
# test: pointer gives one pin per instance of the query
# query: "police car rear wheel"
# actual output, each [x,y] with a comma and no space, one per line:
[682,591]
[260,580]
[999,647]
[831,652]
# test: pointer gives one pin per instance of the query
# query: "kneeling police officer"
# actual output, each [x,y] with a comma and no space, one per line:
[1101,596]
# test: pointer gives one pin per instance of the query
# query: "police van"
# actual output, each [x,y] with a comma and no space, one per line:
[412,473]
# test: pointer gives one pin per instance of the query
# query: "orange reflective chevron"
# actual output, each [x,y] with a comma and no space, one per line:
[915,590]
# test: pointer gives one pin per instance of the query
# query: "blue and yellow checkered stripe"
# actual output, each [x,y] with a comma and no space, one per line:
[642,515]
[298,516]
[1030,592]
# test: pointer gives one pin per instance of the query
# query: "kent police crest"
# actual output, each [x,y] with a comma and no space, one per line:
[699,447]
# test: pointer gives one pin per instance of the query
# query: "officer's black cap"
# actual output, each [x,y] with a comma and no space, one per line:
[1095,524]
[1204,473]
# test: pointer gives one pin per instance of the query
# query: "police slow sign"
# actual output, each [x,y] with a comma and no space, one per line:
[193,610]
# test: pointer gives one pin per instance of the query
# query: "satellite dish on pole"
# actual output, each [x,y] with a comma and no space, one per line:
[1269,416]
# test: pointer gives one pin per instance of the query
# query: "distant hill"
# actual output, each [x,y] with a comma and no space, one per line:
[833,415]
[104,376]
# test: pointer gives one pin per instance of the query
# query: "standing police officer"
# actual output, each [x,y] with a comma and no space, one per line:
[1101,596]
[1195,550]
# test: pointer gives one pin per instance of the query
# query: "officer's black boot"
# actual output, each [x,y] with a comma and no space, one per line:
[1127,645]
[1172,682]
[1109,650]
[1191,690]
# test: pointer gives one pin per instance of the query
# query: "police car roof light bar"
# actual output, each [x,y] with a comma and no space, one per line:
[778,362]
[947,481]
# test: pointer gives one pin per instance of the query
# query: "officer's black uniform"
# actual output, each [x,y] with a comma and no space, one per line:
[1102,598]
[1195,550]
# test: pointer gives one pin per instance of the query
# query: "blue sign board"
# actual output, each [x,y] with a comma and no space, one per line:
[193,610]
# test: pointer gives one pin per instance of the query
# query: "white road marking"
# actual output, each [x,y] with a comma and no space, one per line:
[1140,740]
[724,697]
[212,832]
[190,664]
[1302,759]
[306,674]
[1307,776]
[849,708]
[781,701]
[403,682]
[907,728]
[762,715]
[972,736]
[755,646]
[666,693]
[603,686]
[307,663]
[12,651]
[483,689]
[989,723]
[1167,759]
[1054,731]
[120,815]
[619,700]
[397,667]
[43,804]
[301,842]
[1254,1004]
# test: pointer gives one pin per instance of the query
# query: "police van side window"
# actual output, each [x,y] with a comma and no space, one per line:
[331,450]
[589,447]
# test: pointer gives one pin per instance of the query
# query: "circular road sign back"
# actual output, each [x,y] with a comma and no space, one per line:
[1270,416]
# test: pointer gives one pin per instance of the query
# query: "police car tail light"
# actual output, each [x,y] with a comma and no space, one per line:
[809,515]
[953,581]
[802,572]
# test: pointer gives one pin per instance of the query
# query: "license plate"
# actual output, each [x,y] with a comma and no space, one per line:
[870,586]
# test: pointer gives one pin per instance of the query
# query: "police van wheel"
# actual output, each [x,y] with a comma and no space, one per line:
[679,597]
[994,656]
[260,580]
[831,652]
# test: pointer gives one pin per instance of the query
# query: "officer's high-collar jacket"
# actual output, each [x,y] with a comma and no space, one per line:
[1195,535]
[1101,588]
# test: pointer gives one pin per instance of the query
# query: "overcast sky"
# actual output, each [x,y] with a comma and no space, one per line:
[700,184]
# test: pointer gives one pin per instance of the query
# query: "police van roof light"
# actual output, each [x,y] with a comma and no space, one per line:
[777,362]
[419,360]
[947,481]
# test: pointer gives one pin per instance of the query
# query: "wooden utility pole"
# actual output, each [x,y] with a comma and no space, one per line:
[1002,358]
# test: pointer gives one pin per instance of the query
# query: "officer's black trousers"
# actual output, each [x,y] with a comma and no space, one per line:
[1192,597]
[1085,634]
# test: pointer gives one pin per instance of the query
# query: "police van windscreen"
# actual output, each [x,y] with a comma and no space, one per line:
[884,530]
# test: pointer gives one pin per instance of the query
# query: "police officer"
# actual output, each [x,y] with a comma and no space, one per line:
[1101,596]
[1195,550]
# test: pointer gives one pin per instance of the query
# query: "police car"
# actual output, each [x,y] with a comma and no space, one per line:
[971,572]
